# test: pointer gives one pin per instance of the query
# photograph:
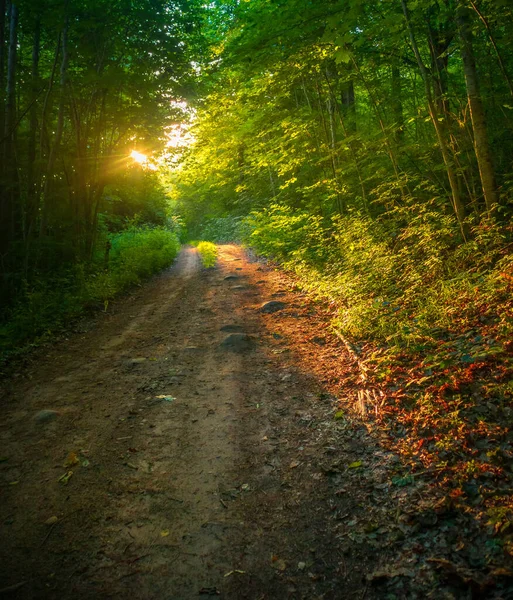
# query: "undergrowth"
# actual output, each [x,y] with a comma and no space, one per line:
[431,319]
[394,280]
[221,229]
[50,303]
[208,253]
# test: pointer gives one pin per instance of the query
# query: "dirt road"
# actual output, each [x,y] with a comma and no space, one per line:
[175,448]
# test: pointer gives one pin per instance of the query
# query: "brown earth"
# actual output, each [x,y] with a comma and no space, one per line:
[215,487]
[203,455]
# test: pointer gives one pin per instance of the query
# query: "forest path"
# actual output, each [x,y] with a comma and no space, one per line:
[197,468]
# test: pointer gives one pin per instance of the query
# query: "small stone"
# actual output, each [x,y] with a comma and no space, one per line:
[272,306]
[137,361]
[46,416]
[238,342]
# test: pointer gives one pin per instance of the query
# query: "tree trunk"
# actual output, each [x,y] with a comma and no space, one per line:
[481,144]
[459,209]
[3,6]
[8,199]
[348,99]
[32,146]
[58,132]
[500,60]
[397,104]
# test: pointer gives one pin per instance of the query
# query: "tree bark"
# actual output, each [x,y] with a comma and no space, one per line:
[3,6]
[348,99]
[8,198]
[500,60]
[58,132]
[397,104]
[481,144]
[32,143]
[458,206]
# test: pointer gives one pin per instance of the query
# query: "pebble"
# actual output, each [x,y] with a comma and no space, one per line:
[46,416]
[238,342]
[272,306]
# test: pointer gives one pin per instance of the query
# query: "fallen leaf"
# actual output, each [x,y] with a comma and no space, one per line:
[278,563]
[385,574]
[355,465]
[294,464]
[164,533]
[51,520]
[71,460]
[165,398]
[403,481]
[65,478]
[234,571]
[339,415]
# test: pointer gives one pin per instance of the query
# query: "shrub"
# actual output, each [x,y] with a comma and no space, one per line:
[222,229]
[208,253]
[395,278]
[49,304]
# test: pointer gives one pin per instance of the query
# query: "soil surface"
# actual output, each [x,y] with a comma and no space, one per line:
[190,442]
[173,449]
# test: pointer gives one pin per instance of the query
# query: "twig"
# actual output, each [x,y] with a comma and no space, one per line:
[57,523]
[12,588]
[49,533]
[364,593]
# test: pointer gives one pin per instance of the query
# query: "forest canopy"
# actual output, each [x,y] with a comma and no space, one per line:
[368,145]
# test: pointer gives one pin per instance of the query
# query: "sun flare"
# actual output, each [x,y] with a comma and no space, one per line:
[138,157]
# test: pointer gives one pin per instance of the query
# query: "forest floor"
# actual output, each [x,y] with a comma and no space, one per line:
[191,443]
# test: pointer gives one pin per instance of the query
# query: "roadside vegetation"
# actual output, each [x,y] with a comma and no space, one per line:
[208,253]
[49,304]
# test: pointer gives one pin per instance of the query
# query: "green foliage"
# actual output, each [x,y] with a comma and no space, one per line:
[292,237]
[395,279]
[208,253]
[88,82]
[221,229]
[49,304]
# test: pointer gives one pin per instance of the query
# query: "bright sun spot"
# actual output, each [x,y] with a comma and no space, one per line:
[138,157]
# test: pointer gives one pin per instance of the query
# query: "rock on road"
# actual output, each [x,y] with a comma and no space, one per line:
[173,461]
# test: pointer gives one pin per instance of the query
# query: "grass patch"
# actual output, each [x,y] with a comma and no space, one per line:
[49,304]
[208,253]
